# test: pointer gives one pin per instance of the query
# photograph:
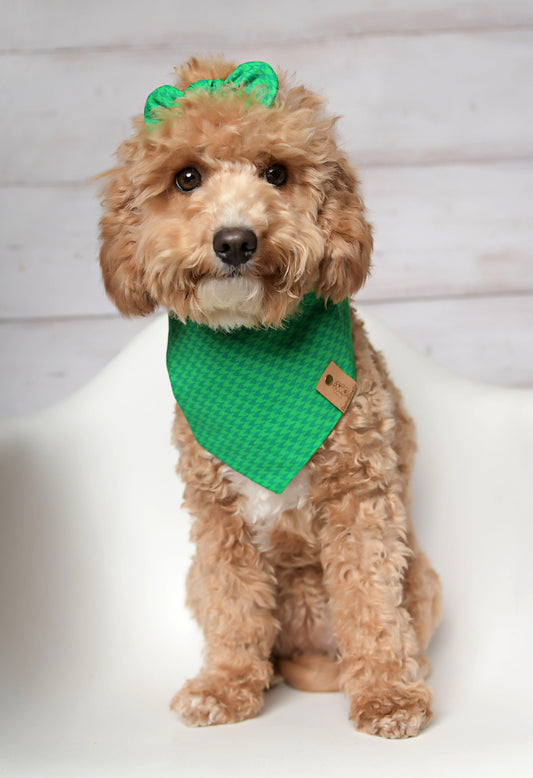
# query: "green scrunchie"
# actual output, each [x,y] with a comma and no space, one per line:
[256,77]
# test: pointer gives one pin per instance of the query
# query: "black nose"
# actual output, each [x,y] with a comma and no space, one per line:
[235,245]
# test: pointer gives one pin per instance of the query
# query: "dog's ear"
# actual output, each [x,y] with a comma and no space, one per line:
[348,245]
[119,230]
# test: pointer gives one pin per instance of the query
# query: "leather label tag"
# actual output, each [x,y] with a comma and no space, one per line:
[336,386]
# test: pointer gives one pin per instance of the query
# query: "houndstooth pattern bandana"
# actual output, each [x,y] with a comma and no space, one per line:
[250,395]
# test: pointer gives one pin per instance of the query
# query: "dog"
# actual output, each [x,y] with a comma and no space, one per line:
[233,208]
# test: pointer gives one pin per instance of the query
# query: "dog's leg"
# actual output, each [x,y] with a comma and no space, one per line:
[231,590]
[422,587]
[422,595]
[365,555]
[305,649]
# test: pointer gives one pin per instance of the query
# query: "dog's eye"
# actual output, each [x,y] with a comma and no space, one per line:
[276,174]
[188,179]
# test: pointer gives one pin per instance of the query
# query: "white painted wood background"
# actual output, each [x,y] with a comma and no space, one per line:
[437,106]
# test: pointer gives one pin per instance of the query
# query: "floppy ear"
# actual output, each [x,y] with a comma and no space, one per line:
[346,262]
[119,230]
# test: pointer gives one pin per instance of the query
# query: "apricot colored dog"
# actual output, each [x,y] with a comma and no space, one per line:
[231,205]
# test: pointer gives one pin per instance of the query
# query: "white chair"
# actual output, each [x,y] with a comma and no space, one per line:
[96,639]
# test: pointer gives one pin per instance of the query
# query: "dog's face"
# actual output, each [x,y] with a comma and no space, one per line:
[227,212]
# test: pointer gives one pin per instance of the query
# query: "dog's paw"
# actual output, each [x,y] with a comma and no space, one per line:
[205,701]
[393,713]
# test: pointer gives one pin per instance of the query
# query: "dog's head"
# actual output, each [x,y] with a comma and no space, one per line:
[227,211]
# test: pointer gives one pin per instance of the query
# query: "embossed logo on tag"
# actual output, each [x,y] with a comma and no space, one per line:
[337,387]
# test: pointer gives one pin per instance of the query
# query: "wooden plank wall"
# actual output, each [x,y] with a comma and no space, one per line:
[437,107]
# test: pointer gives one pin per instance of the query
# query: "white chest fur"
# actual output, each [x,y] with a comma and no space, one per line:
[262,508]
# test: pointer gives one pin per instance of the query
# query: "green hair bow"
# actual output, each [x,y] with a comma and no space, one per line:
[250,76]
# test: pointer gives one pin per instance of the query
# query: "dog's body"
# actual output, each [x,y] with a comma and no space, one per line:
[324,581]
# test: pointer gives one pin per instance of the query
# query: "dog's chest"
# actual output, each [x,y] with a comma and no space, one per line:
[264,510]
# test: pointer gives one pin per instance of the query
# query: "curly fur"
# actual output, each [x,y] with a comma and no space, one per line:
[325,582]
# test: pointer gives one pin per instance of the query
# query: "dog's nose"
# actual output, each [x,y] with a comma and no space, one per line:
[235,245]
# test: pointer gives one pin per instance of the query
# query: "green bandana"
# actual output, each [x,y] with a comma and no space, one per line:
[250,395]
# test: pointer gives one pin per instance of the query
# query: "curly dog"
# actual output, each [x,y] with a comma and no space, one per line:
[233,208]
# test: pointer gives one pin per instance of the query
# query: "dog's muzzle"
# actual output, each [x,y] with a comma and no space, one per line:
[235,245]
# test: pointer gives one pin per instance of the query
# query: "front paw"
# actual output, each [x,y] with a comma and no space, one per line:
[398,712]
[215,699]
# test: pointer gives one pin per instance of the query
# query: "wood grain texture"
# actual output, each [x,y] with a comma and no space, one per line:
[436,107]
[34,24]
[484,338]
[450,230]
[44,361]
[49,250]
[404,99]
